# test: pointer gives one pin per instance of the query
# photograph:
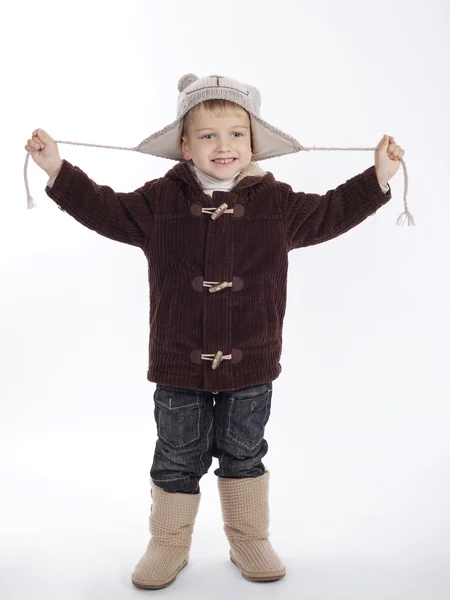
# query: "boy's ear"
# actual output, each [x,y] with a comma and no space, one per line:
[185,148]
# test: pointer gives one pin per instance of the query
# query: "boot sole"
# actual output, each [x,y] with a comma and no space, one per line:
[156,586]
[262,577]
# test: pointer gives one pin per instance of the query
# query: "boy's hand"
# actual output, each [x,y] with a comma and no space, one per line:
[44,151]
[387,159]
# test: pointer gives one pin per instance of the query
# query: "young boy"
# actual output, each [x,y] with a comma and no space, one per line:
[216,230]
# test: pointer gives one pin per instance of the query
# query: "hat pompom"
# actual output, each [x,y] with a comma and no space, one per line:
[186,80]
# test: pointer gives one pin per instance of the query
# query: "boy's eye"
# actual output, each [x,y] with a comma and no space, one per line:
[208,135]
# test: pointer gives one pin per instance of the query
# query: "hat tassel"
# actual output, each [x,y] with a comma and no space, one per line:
[30,201]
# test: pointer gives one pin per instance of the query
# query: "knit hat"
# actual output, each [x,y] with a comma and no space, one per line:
[267,140]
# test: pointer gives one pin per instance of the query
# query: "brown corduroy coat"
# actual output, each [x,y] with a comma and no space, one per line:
[245,248]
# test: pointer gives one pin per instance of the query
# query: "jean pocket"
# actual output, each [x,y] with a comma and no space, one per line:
[177,415]
[248,415]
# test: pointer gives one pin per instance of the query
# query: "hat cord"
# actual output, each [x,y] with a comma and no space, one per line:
[30,200]
[405,216]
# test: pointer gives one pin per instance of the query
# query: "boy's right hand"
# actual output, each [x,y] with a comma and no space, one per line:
[45,153]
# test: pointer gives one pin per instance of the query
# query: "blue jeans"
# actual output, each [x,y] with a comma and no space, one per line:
[195,425]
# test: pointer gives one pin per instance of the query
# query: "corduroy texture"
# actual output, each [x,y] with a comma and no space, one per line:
[167,218]
[245,511]
[172,519]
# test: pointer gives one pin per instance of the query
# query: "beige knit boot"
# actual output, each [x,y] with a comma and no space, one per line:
[245,510]
[172,517]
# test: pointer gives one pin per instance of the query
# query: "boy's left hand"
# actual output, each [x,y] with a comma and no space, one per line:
[387,159]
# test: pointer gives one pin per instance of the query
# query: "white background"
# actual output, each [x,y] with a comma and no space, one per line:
[359,434]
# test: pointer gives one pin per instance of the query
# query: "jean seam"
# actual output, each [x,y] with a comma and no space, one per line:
[207,444]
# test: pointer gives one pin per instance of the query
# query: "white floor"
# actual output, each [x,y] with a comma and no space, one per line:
[74,522]
[99,566]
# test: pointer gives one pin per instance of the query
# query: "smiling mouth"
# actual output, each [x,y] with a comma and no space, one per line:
[224,161]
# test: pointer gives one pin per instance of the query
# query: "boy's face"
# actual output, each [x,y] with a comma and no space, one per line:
[212,139]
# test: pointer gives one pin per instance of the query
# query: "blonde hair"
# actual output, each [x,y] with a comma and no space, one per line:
[215,105]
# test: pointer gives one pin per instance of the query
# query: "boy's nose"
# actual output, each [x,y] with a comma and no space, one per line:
[224,145]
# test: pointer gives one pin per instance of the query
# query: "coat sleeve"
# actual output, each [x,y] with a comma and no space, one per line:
[312,219]
[123,217]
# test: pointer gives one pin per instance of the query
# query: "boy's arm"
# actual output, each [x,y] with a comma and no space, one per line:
[312,219]
[124,217]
